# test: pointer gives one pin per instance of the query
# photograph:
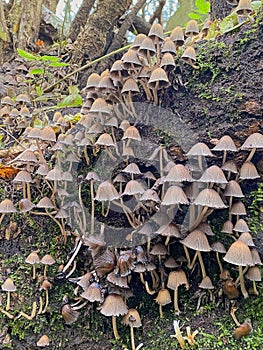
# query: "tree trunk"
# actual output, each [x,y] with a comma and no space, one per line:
[51,5]
[98,31]
[80,19]
[219,9]
[4,33]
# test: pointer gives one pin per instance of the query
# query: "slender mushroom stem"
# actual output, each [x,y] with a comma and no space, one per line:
[40,309]
[151,292]
[6,313]
[256,292]
[219,263]
[47,301]
[8,301]
[201,264]
[34,272]
[176,306]
[193,261]
[187,255]
[233,315]
[251,154]
[161,310]
[132,337]
[73,256]
[2,217]
[242,282]
[114,326]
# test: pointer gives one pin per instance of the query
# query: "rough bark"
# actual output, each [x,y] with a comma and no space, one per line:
[98,31]
[4,33]
[51,5]
[80,19]
[219,9]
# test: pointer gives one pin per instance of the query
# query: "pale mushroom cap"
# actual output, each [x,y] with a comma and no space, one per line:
[241,226]
[189,52]
[132,318]
[106,192]
[45,203]
[100,106]
[255,256]
[105,140]
[213,174]
[23,176]
[230,166]
[130,85]
[192,27]
[174,195]
[197,240]
[246,238]
[254,274]
[133,187]
[209,198]
[239,254]
[176,279]
[7,206]
[150,195]
[200,149]
[218,247]
[132,133]
[48,134]
[168,46]
[206,228]
[178,173]
[43,341]
[225,144]
[159,249]
[25,205]
[158,75]
[33,258]
[156,31]
[227,227]
[253,141]
[177,36]
[113,306]
[132,168]
[244,5]
[54,175]
[206,283]
[8,285]
[120,281]
[130,57]
[248,171]
[48,260]
[238,208]
[169,230]
[93,293]
[163,297]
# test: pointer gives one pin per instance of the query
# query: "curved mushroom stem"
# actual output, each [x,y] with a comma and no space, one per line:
[142,278]
[6,313]
[187,255]
[73,256]
[151,292]
[219,263]
[242,282]
[233,315]
[46,303]
[176,306]
[114,326]
[2,217]
[256,292]
[199,219]
[40,309]
[201,264]
[132,338]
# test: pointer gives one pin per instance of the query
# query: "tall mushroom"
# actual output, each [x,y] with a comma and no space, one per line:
[8,286]
[132,319]
[176,279]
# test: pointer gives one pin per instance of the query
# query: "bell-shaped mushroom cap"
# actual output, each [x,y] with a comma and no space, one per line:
[33,258]
[117,280]
[158,77]
[177,36]
[100,106]
[54,174]
[163,297]
[113,306]
[23,176]
[92,81]
[147,46]
[138,40]
[25,205]
[227,227]
[130,85]
[132,319]
[178,173]
[197,240]
[8,285]
[168,46]
[48,134]
[92,175]
[131,133]
[246,238]
[248,171]
[23,98]
[176,279]
[133,187]
[206,283]
[171,263]
[132,168]
[156,31]
[241,226]
[230,166]
[167,61]
[253,274]
[213,174]
[192,28]
[253,141]
[243,7]
[200,149]
[159,249]
[218,247]
[256,257]
[238,208]
[174,195]
[239,254]
[45,203]
[85,281]
[206,228]
[48,260]
[43,341]
[225,144]
[150,195]
[169,230]
[209,198]
[105,140]
[189,53]
[233,189]
[7,206]
[106,192]
[93,293]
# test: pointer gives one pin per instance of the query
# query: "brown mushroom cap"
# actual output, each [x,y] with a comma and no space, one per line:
[105,140]
[241,226]
[248,171]
[239,254]
[176,279]
[238,208]
[132,318]
[131,133]
[206,283]
[174,195]
[93,293]
[243,7]
[33,258]
[254,274]
[192,28]
[8,285]
[177,36]
[48,260]
[209,198]
[246,238]
[197,240]
[163,297]
[227,227]
[113,306]
[43,341]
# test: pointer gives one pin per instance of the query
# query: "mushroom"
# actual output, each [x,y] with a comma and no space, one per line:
[47,260]
[177,36]
[244,9]
[9,287]
[189,56]
[6,206]
[163,298]
[218,247]
[158,80]
[33,259]
[225,144]
[114,306]
[253,274]
[43,341]
[132,319]
[92,177]
[248,171]
[46,285]
[176,279]
[252,143]
[207,284]
[239,254]
[69,315]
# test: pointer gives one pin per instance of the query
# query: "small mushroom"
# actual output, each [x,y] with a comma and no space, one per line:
[33,259]
[47,260]
[132,319]
[9,287]
[163,298]
[43,341]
